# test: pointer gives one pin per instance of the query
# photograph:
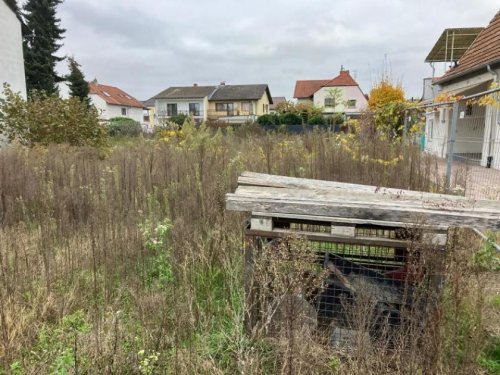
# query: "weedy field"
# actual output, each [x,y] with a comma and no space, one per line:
[125,261]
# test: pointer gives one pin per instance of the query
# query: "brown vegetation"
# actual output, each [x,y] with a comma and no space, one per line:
[129,263]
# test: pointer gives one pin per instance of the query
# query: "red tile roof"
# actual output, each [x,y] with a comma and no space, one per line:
[306,89]
[113,95]
[483,51]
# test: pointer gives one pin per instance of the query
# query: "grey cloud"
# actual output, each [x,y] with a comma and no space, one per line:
[144,47]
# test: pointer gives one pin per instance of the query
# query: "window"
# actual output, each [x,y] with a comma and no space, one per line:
[172,109]
[351,103]
[224,107]
[468,110]
[265,108]
[194,109]
[329,102]
[124,111]
[245,107]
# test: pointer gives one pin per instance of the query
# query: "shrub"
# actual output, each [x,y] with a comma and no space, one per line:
[179,119]
[49,119]
[270,119]
[317,120]
[290,119]
[387,103]
[124,126]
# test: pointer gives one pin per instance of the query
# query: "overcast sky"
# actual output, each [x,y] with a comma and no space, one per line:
[146,46]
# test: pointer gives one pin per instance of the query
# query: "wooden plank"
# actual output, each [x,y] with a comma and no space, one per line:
[366,198]
[363,211]
[326,219]
[261,223]
[343,230]
[262,179]
[326,237]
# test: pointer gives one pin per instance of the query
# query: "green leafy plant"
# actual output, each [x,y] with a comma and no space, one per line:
[290,119]
[49,119]
[269,119]
[317,120]
[155,240]
[124,127]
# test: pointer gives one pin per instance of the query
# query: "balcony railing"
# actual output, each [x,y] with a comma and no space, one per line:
[165,114]
[215,114]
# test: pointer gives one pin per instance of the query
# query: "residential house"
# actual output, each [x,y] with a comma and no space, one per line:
[188,100]
[226,103]
[276,100]
[341,94]
[149,112]
[478,127]
[11,55]
[239,103]
[114,102]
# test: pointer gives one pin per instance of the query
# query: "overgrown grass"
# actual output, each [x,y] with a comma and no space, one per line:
[127,262]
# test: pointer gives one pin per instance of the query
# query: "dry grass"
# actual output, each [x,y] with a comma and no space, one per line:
[82,291]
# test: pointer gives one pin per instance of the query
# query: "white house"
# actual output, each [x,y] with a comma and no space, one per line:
[341,94]
[478,126]
[11,51]
[187,100]
[237,104]
[114,102]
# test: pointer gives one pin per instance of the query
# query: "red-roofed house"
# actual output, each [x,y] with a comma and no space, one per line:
[114,102]
[341,94]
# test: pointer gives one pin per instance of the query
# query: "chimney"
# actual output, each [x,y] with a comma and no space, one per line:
[195,85]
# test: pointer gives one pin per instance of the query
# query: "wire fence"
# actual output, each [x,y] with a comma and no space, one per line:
[465,136]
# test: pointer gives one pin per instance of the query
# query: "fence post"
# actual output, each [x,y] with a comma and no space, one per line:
[451,142]
[405,127]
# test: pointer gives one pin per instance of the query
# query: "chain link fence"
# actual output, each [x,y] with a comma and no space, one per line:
[464,135]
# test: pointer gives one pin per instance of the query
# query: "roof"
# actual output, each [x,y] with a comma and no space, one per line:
[241,92]
[306,89]
[149,103]
[452,44]
[186,92]
[277,100]
[483,51]
[113,95]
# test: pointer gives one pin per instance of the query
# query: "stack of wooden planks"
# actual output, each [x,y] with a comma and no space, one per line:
[347,206]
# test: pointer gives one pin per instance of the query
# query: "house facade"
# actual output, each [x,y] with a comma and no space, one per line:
[276,100]
[239,103]
[112,102]
[341,94]
[478,126]
[187,100]
[11,55]
[225,103]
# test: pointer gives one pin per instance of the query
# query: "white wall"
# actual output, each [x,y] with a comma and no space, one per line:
[108,111]
[347,93]
[11,51]
[182,106]
[436,131]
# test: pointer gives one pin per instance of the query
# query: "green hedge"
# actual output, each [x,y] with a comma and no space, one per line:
[124,127]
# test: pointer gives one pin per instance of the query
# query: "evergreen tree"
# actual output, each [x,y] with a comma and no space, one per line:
[41,42]
[78,86]
[13,5]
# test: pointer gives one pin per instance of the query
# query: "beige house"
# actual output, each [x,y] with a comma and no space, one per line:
[236,104]
[239,103]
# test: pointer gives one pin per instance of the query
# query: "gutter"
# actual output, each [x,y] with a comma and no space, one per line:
[468,71]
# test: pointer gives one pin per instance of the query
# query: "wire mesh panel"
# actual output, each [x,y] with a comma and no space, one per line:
[476,150]
[367,289]
[464,134]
